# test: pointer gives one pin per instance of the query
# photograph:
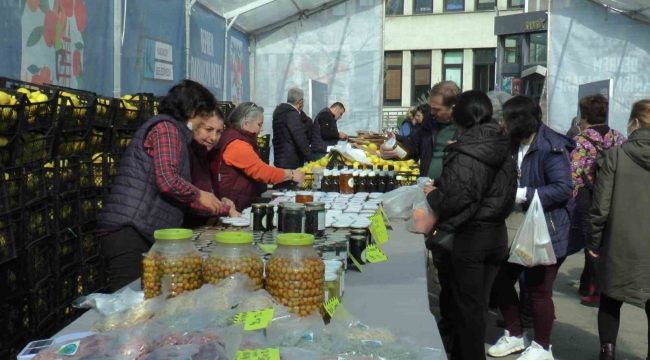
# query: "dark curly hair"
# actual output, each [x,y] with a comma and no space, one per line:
[522,117]
[188,99]
[472,108]
[594,109]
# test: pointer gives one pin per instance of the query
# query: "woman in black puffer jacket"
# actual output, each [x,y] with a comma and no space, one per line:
[473,197]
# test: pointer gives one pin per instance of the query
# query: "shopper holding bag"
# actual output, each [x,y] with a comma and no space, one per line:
[542,161]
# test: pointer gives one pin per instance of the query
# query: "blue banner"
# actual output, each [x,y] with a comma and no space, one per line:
[206,49]
[238,67]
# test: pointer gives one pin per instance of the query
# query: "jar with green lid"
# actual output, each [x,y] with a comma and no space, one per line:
[173,265]
[295,275]
[233,253]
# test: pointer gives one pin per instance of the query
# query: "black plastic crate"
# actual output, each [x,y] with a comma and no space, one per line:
[14,325]
[104,112]
[89,241]
[11,114]
[71,143]
[132,112]
[91,202]
[35,222]
[62,175]
[12,280]
[76,110]
[63,211]
[111,164]
[226,107]
[8,245]
[42,306]
[8,151]
[11,189]
[15,343]
[46,328]
[90,172]
[35,186]
[66,314]
[68,284]
[37,260]
[94,275]
[120,140]
[67,248]
[97,141]
[39,115]
[9,83]
[34,146]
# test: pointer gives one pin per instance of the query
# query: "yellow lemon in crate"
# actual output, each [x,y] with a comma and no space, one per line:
[405,169]
[24,91]
[373,147]
[4,98]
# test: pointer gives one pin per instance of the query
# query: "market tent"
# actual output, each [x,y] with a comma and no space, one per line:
[637,9]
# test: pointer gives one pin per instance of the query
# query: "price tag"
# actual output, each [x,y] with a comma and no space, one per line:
[255,320]
[378,227]
[259,354]
[331,305]
[356,263]
[268,248]
[374,254]
[386,219]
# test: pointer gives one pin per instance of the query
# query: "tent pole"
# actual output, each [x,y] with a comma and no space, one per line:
[188,14]
[117,48]
[229,24]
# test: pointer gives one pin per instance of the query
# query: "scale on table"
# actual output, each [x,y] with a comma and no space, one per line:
[34,347]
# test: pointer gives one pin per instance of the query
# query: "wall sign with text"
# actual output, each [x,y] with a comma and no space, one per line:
[158,60]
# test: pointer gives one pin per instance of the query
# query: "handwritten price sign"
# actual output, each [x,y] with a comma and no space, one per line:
[331,305]
[378,227]
[255,320]
[375,255]
[259,354]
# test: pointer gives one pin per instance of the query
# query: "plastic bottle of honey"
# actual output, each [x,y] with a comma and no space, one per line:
[391,179]
[382,180]
[326,184]
[393,144]
[372,182]
[355,177]
[336,174]
[363,181]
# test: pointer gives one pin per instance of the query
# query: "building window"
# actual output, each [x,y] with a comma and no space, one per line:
[422,6]
[516,3]
[453,66]
[485,4]
[454,5]
[394,7]
[512,49]
[537,47]
[421,75]
[484,69]
[393,78]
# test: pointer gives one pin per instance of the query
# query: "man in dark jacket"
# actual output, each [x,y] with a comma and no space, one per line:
[427,144]
[327,121]
[290,143]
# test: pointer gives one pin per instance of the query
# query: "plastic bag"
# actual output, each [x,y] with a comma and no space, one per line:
[350,153]
[210,351]
[287,329]
[129,317]
[398,204]
[423,218]
[298,354]
[532,245]
[108,304]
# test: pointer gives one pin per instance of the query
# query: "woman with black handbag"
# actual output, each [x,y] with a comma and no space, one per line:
[470,201]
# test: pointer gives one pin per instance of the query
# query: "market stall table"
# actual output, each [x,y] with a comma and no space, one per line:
[391,294]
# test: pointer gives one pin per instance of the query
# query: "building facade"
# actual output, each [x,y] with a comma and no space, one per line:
[428,41]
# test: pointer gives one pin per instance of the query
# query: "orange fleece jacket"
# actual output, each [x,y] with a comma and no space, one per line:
[241,155]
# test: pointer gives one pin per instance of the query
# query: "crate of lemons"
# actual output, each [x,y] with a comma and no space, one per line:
[8,111]
[406,167]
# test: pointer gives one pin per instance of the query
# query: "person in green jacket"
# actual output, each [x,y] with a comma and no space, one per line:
[618,228]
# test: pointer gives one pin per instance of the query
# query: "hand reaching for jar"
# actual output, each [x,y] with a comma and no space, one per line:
[298,176]
[208,200]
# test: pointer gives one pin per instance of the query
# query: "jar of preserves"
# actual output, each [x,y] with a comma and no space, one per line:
[293,218]
[295,275]
[173,265]
[357,249]
[233,253]
[315,218]
[346,182]
[258,217]
[279,214]
[270,215]
[393,144]
[303,197]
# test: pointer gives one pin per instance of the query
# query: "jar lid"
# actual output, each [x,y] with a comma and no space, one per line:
[257,206]
[391,142]
[172,234]
[295,239]
[358,238]
[315,204]
[305,193]
[232,237]
[329,276]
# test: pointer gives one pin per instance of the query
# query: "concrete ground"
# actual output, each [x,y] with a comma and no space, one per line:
[575,332]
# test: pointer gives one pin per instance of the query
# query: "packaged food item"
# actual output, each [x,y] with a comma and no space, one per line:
[258,217]
[393,144]
[130,317]
[295,274]
[173,265]
[346,181]
[303,197]
[293,218]
[315,218]
[211,351]
[233,253]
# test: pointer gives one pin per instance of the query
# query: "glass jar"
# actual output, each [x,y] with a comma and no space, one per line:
[270,215]
[258,217]
[393,144]
[293,218]
[357,248]
[280,212]
[276,195]
[303,197]
[315,218]
[337,268]
[173,265]
[346,182]
[233,253]
[295,274]
[336,180]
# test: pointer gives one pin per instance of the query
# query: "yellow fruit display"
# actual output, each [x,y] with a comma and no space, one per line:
[373,147]
[24,91]
[4,98]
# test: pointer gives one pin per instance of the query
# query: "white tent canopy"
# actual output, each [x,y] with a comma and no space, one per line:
[634,8]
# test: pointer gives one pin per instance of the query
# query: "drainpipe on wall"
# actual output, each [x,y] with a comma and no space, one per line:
[117,48]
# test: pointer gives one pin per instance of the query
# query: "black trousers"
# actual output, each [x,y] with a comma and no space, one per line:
[474,271]
[442,261]
[609,319]
[123,252]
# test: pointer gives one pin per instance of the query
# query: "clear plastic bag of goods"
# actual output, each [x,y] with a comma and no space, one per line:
[138,314]
[532,245]
[287,329]
[124,344]
[259,300]
[108,304]
[210,351]
[350,153]
[398,204]
[423,218]
[298,354]
[377,349]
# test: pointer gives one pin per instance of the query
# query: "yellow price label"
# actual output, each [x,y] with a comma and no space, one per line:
[356,263]
[378,227]
[331,305]
[268,248]
[374,254]
[255,320]
[259,354]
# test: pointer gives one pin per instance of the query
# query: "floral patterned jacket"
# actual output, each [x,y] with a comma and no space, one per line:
[583,157]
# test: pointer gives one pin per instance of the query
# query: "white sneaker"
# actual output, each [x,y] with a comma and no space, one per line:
[507,345]
[536,352]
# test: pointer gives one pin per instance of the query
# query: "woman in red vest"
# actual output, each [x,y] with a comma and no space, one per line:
[238,169]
